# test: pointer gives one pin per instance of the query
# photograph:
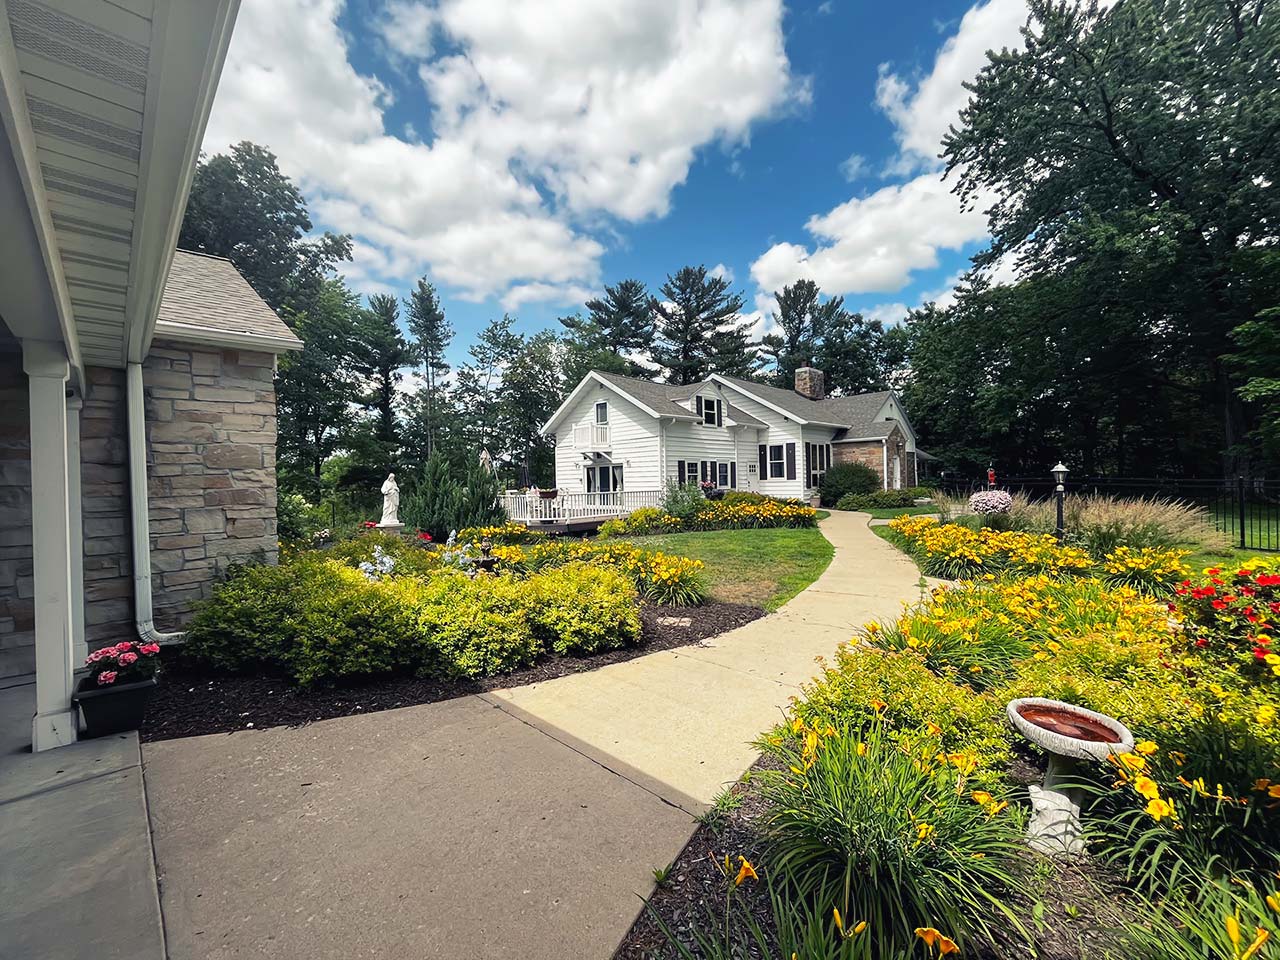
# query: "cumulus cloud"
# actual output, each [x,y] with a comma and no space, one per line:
[547,123]
[876,243]
[922,111]
[722,272]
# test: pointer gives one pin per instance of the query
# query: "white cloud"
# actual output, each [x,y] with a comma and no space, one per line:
[854,167]
[406,27]
[721,271]
[547,121]
[873,244]
[921,112]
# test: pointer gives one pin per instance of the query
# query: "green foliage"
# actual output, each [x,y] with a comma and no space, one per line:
[1199,925]
[697,328]
[316,617]
[292,517]
[682,500]
[887,830]
[743,496]
[436,501]
[846,478]
[583,609]
[877,499]
[506,533]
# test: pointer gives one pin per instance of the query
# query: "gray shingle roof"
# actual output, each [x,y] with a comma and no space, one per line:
[857,413]
[659,397]
[207,295]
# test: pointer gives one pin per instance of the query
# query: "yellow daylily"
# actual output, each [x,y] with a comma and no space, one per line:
[745,872]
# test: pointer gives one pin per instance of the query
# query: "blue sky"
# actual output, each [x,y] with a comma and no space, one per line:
[520,155]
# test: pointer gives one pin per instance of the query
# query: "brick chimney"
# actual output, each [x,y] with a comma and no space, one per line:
[809,383]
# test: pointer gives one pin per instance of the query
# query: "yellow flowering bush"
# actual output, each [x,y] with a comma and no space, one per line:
[507,532]
[957,552]
[714,515]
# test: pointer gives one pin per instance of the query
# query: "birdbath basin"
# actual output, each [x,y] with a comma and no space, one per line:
[1068,734]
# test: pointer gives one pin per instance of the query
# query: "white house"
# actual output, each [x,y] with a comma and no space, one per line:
[620,435]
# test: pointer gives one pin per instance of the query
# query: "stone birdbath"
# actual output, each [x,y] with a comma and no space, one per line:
[1068,734]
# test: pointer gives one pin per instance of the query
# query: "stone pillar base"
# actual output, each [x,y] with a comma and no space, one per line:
[391,527]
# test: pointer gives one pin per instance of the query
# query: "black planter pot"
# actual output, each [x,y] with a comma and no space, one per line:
[716,494]
[113,709]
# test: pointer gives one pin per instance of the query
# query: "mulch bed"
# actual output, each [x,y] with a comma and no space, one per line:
[1082,907]
[193,700]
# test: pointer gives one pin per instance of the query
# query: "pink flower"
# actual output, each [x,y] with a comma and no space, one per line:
[124,645]
[105,677]
[149,648]
[128,658]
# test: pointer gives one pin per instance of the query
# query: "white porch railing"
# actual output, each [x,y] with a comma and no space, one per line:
[535,508]
[591,436]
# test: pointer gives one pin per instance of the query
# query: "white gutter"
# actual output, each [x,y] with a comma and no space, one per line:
[884,473]
[143,613]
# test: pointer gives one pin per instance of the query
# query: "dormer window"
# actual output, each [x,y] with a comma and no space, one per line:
[710,409]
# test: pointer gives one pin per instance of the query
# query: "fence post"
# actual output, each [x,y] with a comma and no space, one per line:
[1242,512]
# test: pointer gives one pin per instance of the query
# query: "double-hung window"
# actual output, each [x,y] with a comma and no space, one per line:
[777,463]
[710,411]
[602,412]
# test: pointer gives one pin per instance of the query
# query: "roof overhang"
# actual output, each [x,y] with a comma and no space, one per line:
[592,377]
[104,107]
[208,336]
[795,417]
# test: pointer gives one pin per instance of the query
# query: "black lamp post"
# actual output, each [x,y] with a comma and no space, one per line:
[1060,491]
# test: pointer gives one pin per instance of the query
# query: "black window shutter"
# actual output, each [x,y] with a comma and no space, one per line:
[808,464]
[679,471]
[791,461]
[733,475]
[764,462]
[719,413]
[703,469]
[698,402]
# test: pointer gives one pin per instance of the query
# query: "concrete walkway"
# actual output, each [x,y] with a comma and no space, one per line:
[523,823]
[76,871]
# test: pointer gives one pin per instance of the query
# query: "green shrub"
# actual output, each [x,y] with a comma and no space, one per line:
[292,520]
[579,609]
[877,499]
[743,496]
[408,558]
[890,831]
[846,478]
[507,533]
[1196,926]
[471,628]
[683,500]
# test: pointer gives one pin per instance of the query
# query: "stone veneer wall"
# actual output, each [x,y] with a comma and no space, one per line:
[211,447]
[871,453]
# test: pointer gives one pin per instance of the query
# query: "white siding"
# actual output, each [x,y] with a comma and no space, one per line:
[633,442]
[781,430]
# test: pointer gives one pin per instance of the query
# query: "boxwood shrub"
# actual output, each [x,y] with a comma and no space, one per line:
[317,618]
[846,478]
[877,499]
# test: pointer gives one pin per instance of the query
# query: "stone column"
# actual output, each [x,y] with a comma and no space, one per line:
[45,364]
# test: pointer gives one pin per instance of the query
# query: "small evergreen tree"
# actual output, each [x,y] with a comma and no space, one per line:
[437,501]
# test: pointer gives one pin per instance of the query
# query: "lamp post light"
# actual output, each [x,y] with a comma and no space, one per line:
[1060,491]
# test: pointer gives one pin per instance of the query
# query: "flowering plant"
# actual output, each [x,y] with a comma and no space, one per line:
[990,501]
[382,565]
[424,537]
[707,485]
[369,524]
[1234,615]
[126,662]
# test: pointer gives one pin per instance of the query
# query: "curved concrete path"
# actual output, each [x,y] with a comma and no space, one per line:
[524,823]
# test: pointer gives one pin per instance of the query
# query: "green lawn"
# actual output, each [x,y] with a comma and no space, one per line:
[762,567]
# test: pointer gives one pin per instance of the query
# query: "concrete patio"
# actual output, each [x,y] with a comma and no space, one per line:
[523,823]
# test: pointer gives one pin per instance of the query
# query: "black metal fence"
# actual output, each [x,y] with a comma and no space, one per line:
[1247,510]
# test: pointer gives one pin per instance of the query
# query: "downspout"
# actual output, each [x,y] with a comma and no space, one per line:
[136,413]
[884,470]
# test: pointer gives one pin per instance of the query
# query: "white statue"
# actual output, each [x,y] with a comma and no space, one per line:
[390,503]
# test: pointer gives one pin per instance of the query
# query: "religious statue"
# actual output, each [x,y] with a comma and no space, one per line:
[390,503]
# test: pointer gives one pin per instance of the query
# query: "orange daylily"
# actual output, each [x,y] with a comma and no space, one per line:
[745,872]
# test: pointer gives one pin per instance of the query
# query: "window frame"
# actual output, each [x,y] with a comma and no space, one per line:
[605,421]
[778,467]
[709,411]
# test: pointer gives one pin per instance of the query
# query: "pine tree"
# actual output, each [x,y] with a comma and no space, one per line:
[382,353]
[437,500]
[432,335]
[696,329]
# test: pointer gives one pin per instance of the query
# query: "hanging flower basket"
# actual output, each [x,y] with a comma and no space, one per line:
[548,494]
[113,697]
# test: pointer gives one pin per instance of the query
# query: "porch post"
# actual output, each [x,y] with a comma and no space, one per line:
[45,364]
[79,649]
